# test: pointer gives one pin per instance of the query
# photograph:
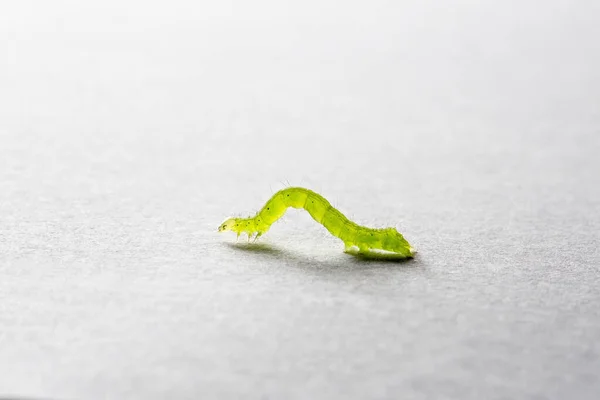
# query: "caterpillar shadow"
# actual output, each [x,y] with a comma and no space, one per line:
[369,260]
[25,398]
[263,248]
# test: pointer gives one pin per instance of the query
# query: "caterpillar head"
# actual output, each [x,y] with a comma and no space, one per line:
[228,224]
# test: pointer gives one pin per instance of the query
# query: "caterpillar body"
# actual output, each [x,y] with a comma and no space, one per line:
[368,241]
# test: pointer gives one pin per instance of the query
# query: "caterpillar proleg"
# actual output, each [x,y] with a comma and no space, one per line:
[368,241]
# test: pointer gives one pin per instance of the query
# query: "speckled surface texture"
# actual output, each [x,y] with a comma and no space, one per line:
[129,131]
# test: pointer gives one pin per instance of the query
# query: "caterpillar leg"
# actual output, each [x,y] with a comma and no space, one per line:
[354,249]
[363,250]
[257,236]
[357,251]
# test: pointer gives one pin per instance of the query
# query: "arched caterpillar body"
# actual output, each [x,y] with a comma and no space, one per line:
[367,240]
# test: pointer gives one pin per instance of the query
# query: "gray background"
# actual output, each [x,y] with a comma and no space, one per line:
[130,130]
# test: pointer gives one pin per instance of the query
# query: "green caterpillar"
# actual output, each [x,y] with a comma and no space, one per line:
[368,241]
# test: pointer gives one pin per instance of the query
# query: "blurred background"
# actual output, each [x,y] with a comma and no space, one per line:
[130,129]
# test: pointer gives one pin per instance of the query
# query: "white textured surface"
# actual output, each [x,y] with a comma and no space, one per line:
[129,131]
